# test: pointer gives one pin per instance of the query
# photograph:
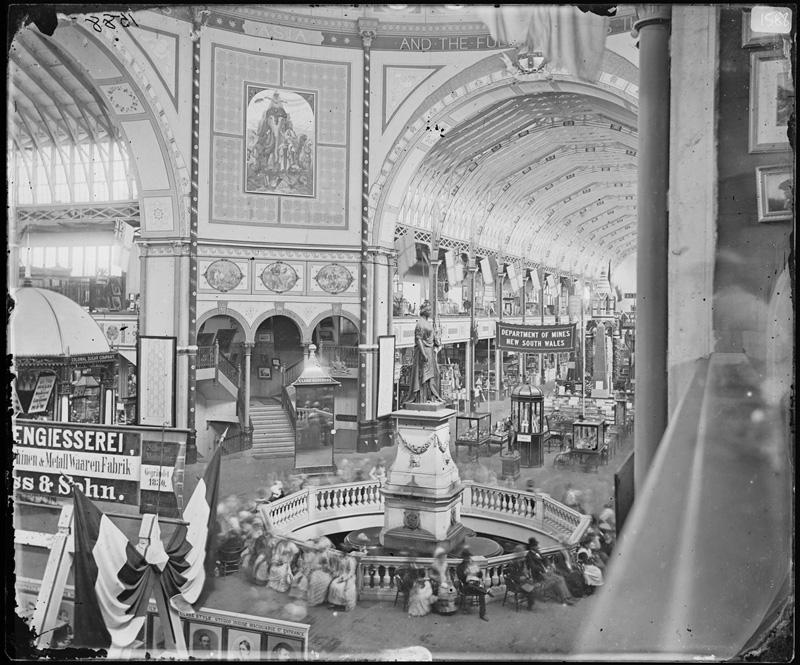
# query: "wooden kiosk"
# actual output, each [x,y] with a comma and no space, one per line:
[527,419]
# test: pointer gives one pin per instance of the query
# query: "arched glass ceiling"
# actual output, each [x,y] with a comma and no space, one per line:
[63,146]
[549,178]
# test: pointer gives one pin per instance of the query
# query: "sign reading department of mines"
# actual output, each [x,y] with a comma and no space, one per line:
[120,464]
[535,339]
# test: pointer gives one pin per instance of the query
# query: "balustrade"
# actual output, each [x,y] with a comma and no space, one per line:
[205,357]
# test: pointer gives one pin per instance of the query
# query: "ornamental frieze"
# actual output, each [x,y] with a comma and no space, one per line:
[276,254]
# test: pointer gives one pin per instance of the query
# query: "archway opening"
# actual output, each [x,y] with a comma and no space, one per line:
[278,348]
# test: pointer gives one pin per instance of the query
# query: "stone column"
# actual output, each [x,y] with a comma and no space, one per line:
[653,28]
[248,353]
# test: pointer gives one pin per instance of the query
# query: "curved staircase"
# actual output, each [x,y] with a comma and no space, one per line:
[273,434]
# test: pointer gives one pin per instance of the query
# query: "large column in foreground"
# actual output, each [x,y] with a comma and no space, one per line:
[653,26]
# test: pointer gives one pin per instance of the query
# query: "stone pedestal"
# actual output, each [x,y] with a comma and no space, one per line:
[422,493]
[510,464]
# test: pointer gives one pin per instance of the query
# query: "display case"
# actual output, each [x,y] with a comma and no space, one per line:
[588,434]
[527,419]
[314,417]
[473,430]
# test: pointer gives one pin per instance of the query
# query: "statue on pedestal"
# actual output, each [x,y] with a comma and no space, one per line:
[425,367]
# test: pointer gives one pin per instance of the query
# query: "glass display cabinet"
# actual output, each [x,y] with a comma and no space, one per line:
[588,435]
[527,419]
[473,430]
[314,417]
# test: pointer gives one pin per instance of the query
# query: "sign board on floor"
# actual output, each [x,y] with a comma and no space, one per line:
[535,339]
[120,464]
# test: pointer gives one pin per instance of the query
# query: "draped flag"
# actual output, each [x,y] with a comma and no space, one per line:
[200,516]
[511,271]
[450,266]
[406,253]
[488,270]
[114,580]
[570,40]
[537,285]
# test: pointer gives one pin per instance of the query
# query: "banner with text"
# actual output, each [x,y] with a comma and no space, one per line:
[535,339]
[138,466]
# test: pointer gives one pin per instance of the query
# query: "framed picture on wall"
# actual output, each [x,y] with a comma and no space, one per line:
[771,101]
[265,337]
[774,193]
[264,372]
[276,363]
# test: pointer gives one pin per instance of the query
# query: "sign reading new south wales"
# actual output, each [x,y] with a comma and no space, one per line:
[109,463]
[535,339]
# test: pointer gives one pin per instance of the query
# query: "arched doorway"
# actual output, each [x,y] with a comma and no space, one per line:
[278,347]
[336,338]
[223,336]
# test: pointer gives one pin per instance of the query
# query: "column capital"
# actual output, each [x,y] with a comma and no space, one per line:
[368,29]
[248,347]
[651,14]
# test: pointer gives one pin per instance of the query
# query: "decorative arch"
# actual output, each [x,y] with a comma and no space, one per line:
[482,85]
[324,315]
[305,332]
[236,316]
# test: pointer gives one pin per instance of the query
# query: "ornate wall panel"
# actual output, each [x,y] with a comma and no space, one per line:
[223,275]
[302,178]
[279,277]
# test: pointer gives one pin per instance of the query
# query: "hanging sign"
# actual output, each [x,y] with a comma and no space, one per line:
[535,339]
[41,394]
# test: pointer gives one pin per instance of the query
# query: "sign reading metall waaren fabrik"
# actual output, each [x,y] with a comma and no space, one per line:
[124,464]
[535,339]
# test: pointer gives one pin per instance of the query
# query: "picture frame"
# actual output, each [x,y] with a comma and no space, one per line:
[752,39]
[264,372]
[265,337]
[276,363]
[775,193]
[326,335]
[771,102]
[204,640]
[244,645]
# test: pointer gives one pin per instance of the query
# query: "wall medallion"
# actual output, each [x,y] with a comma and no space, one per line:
[223,275]
[334,278]
[279,277]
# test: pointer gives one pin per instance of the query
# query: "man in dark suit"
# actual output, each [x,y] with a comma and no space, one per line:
[469,574]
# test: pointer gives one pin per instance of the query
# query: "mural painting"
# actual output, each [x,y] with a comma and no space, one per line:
[280,127]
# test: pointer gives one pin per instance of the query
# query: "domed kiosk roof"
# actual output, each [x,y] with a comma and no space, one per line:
[45,323]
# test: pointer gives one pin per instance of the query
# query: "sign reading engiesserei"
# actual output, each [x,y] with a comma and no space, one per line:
[535,339]
[109,463]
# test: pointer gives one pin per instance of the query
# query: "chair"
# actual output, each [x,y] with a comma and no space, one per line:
[464,598]
[513,588]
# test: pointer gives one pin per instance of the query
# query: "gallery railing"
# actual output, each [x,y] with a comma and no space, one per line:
[333,356]
[205,357]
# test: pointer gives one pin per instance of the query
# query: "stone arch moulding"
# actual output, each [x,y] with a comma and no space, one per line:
[305,332]
[236,316]
[173,162]
[456,93]
[324,315]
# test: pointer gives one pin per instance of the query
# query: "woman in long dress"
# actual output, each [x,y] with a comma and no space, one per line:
[319,579]
[299,586]
[343,592]
[421,597]
[280,570]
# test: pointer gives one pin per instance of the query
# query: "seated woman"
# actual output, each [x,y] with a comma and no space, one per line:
[342,591]
[257,553]
[280,570]
[592,575]
[572,575]
[421,597]
[319,579]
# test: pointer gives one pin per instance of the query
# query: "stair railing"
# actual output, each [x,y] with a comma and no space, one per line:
[288,406]
[228,368]
[289,374]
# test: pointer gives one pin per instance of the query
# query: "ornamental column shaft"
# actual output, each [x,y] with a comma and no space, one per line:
[472,268]
[248,352]
[653,28]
